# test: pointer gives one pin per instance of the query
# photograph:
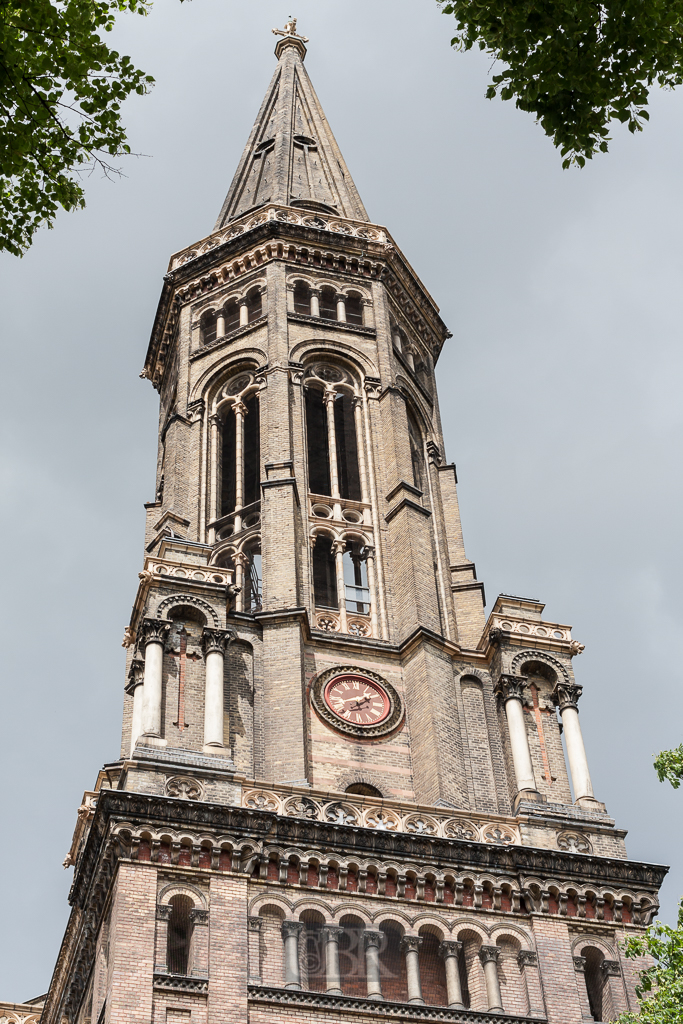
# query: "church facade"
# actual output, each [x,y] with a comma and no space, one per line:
[342,791]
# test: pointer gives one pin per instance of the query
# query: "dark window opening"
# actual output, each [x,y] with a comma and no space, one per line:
[253,581]
[352,959]
[208,328]
[347,449]
[232,316]
[254,304]
[416,453]
[432,971]
[314,962]
[357,592]
[594,980]
[228,464]
[252,451]
[318,454]
[324,575]
[462,971]
[392,964]
[302,298]
[179,935]
[362,789]
[354,310]
[328,304]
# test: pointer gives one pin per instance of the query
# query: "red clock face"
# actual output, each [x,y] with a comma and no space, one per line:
[357,700]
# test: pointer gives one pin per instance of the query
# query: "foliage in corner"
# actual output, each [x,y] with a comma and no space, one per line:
[61,90]
[669,766]
[576,64]
[661,984]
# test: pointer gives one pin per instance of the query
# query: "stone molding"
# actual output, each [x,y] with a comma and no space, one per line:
[527,958]
[566,695]
[153,631]
[510,687]
[489,953]
[177,983]
[450,947]
[374,1008]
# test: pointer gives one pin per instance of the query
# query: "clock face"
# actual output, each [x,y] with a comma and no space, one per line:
[357,700]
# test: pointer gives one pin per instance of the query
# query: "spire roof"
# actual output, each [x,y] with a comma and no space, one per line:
[292,157]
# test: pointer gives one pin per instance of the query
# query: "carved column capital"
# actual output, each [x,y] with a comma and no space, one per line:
[164,911]
[610,968]
[338,547]
[566,695]
[580,963]
[333,932]
[154,631]
[434,453]
[411,943]
[527,958]
[511,687]
[198,916]
[255,923]
[487,954]
[216,640]
[290,929]
[371,938]
[449,947]
[136,674]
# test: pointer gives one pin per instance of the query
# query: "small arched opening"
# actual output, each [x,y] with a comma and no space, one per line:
[207,327]
[595,980]
[302,298]
[363,789]
[179,935]
[392,965]
[352,957]
[354,310]
[254,304]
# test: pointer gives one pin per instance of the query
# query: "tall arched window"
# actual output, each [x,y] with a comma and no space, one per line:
[330,425]
[208,327]
[354,310]
[240,477]
[302,298]
[232,315]
[416,452]
[254,304]
[595,980]
[179,935]
[324,573]
[328,304]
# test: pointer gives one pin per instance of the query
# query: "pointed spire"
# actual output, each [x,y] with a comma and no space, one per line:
[292,157]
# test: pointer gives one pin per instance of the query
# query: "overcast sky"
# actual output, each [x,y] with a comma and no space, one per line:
[560,392]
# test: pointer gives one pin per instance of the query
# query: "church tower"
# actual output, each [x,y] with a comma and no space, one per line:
[342,791]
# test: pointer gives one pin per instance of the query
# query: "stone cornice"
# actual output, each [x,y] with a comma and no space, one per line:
[358,1007]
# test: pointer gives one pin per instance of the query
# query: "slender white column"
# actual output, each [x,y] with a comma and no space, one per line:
[341,308]
[332,934]
[511,689]
[372,941]
[567,697]
[239,410]
[290,931]
[410,946]
[136,687]
[332,444]
[241,563]
[450,951]
[489,958]
[372,586]
[213,500]
[215,641]
[154,633]
[244,313]
[315,302]
[220,324]
[360,447]
[338,549]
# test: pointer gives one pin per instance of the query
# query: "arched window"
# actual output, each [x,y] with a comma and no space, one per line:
[254,304]
[232,315]
[354,310]
[392,964]
[302,298]
[208,327]
[432,970]
[595,980]
[328,304]
[362,789]
[179,935]
[252,582]
[416,453]
[248,473]
[352,958]
[318,443]
[357,594]
[324,574]
[313,973]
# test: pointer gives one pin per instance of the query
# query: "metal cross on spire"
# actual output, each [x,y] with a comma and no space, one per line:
[290,30]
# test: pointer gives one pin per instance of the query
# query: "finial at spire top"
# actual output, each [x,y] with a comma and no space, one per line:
[290,37]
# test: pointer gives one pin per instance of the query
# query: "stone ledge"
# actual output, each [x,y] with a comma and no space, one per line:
[178,983]
[377,1008]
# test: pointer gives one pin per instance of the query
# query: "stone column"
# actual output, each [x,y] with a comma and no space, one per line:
[338,548]
[215,421]
[290,931]
[511,690]
[220,324]
[341,308]
[489,957]
[239,410]
[528,965]
[241,569]
[372,941]
[136,678]
[214,642]
[567,697]
[450,951]
[332,934]
[244,313]
[154,633]
[372,587]
[315,302]
[332,443]
[410,947]
[360,447]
